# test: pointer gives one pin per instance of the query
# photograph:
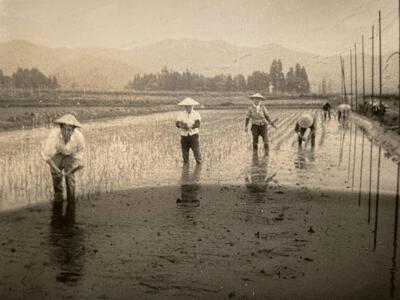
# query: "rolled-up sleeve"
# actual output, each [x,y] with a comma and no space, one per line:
[49,146]
[78,147]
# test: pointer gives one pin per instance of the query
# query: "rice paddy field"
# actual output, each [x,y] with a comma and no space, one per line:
[303,223]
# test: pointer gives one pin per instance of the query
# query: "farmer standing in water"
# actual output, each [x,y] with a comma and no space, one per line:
[63,151]
[259,117]
[189,123]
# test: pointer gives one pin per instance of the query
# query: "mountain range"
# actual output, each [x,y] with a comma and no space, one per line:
[109,68]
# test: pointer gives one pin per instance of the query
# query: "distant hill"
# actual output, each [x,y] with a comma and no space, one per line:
[106,68]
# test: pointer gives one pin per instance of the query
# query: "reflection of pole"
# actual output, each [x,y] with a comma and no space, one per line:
[377,197]
[354,156]
[363,73]
[380,70]
[361,168]
[396,222]
[348,164]
[370,183]
[355,74]
[373,66]
[351,79]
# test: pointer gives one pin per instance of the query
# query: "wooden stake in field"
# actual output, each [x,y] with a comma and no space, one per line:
[372,67]
[370,182]
[351,79]
[380,69]
[363,72]
[344,80]
[355,74]
[361,168]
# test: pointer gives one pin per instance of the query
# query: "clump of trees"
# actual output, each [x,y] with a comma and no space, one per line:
[295,81]
[28,79]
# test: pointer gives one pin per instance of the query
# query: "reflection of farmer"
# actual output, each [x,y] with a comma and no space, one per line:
[343,112]
[327,110]
[190,184]
[63,150]
[259,119]
[189,123]
[305,129]
[257,178]
[304,156]
[66,243]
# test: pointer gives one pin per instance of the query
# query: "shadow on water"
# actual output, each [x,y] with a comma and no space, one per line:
[67,245]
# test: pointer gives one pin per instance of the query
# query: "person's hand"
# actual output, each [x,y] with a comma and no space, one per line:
[184,126]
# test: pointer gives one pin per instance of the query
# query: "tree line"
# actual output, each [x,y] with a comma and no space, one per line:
[28,79]
[295,81]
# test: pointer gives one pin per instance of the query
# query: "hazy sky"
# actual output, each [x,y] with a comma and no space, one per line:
[319,26]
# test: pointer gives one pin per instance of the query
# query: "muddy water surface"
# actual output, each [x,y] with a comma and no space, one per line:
[303,223]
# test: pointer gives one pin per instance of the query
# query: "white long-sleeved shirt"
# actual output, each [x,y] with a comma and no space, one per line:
[55,144]
[189,119]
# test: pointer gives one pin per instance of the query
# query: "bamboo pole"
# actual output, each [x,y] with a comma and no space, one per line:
[363,72]
[355,75]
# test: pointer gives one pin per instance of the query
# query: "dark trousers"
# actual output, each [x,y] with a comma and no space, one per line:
[327,112]
[66,163]
[260,130]
[302,131]
[191,142]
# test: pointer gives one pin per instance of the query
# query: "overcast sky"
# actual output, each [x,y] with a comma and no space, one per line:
[320,26]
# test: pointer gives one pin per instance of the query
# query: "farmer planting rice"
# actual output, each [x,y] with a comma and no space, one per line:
[259,117]
[305,129]
[343,112]
[63,151]
[189,123]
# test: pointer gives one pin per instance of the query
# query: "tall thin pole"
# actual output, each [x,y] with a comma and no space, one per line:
[396,222]
[354,157]
[361,169]
[355,74]
[344,80]
[363,72]
[373,66]
[370,182]
[398,117]
[380,68]
[351,79]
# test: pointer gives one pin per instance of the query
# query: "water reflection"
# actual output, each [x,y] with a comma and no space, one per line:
[257,179]
[190,186]
[377,198]
[396,222]
[67,245]
[305,158]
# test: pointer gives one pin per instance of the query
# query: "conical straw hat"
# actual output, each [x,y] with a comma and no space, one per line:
[188,102]
[69,120]
[257,95]
[305,120]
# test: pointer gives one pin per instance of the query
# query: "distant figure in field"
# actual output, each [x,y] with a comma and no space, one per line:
[305,129]
[327,110]
[63,151]
[189,123]
[260,118]
[343,112]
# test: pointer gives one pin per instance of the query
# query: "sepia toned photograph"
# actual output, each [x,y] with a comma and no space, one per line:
[187,149]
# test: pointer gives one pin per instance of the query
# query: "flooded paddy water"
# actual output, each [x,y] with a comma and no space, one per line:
[303,223]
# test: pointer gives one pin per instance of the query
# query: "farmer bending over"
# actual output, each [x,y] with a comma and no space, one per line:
[305,123]
[63,151]
[189,123]
[259,121]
